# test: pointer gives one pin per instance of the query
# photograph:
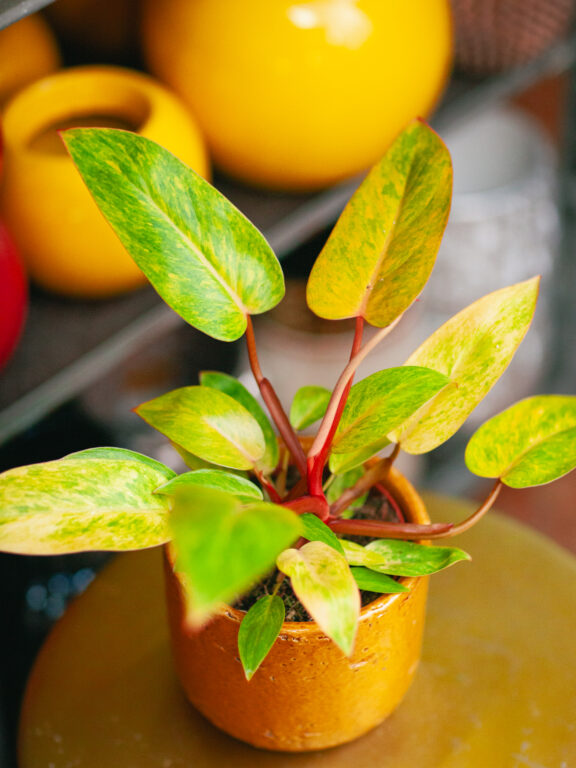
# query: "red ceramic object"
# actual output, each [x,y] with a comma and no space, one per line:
[13,295]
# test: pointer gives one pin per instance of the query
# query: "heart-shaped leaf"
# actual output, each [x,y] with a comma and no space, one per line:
[393,225]
[344,462]
[322,581]
[531,443]
[231,386]
[77,504]
[207,423]
[223,547]
[309,405]
[258,632]
[316,530]
[371,581]
[121,453]
[341,483]
[382,401]
[205,259]
[407,558]
[473,349]
[238,486]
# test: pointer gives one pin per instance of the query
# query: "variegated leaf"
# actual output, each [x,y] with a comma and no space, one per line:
[383,247]
[531,443]
[205,259]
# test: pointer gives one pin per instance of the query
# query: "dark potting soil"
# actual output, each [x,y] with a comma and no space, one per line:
[376,507]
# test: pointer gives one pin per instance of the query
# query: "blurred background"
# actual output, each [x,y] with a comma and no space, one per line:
[283,105]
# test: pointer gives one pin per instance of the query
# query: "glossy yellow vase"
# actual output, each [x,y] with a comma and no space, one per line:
[298,95]
[28,51]
[66,243]
[307,694]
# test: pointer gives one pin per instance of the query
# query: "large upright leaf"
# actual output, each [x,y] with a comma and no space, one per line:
[207,423]
[231,386]
[383,247]
[381,402]
[205,259]
[77,504]
[223,547]
[473,349]
[323,583]
[531,443]
[258,632]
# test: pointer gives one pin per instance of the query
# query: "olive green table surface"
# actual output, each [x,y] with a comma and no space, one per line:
[496,687]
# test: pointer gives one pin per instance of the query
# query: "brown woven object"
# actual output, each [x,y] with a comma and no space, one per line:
[496,35]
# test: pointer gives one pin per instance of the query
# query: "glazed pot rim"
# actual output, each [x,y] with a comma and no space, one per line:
[410,502]
[93,88]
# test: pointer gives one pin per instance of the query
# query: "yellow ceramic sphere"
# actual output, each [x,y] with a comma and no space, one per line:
[298,95]
[28,51]
[66,243]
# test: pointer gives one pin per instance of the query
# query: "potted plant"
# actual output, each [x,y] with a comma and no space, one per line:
[266,518]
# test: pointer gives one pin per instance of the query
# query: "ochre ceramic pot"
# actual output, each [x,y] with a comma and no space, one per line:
[66,243]
[28,51]
[307,694]
[299,95]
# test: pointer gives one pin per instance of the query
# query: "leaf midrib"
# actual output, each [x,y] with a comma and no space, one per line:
[187,240]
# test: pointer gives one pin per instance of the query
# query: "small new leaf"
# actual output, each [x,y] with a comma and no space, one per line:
[204,258]
[371,581]
[309,405]
[207,423]
[341,483]
[322,581]
[407,558]
[231,386]
[531,443]
[216,479]
[473,349]
[393,226]
[316,530]
[258,632]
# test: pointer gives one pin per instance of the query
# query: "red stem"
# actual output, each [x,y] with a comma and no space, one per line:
[392,501]
[315,504]
[316,463]
[273,403]
[388,530]
[268,486]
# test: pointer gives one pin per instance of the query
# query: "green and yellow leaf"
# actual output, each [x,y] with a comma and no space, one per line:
[322,581]
[473,349]
[383,401]
[121,453]
[231,386]
[216,479]
[531,443]
[407,558]
[82,503]
[383,247]
[205,259]
[207,423]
